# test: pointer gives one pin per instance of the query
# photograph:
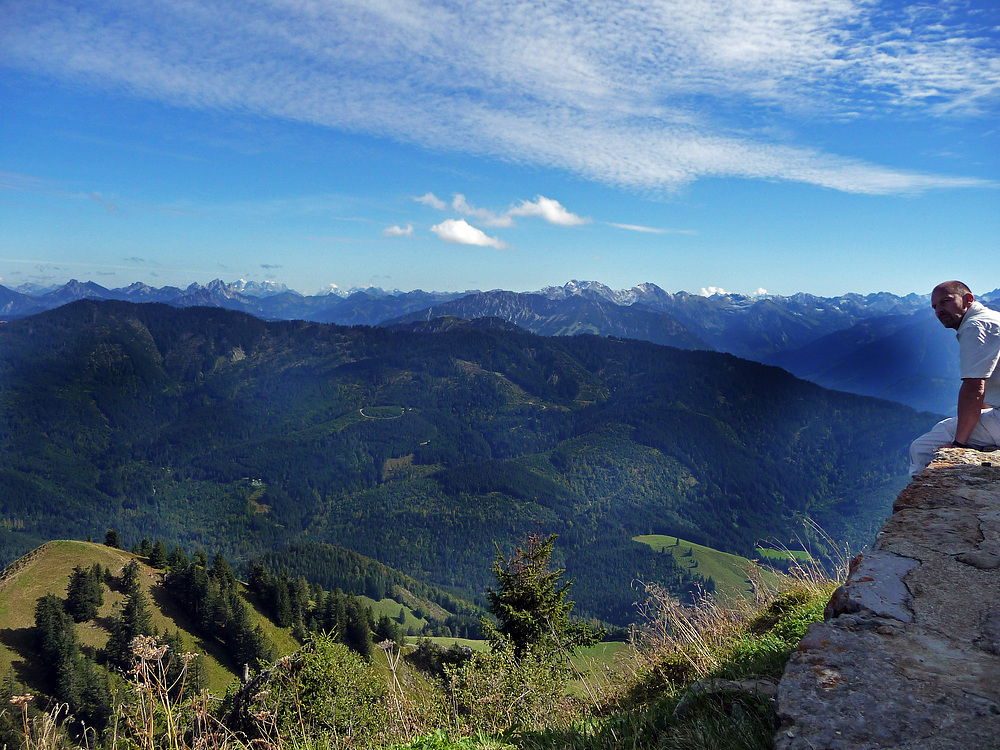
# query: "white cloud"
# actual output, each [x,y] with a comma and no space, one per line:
[545,208]
[550,210]
[460,232]
[429,199]
[649,230]
[398,231]
[761,292]
[488,217]
[634,93]
[637,228]
[712,291]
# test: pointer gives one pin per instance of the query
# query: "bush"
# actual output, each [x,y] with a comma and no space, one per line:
[324,687]
[496,691]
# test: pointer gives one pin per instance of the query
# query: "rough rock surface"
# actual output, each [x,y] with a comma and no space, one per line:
[909,655]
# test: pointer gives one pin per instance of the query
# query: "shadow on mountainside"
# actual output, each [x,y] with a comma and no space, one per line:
[20,641]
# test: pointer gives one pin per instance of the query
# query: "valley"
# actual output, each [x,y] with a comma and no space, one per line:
[423,449]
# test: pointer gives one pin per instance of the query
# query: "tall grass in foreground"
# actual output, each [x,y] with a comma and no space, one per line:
[325,697]
[668,692]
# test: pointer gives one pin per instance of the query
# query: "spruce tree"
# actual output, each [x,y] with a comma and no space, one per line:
[357,632]
[76,680]
[130,577]
[133,620]
[55,638]
[158,555]
[530,603]
[85,593]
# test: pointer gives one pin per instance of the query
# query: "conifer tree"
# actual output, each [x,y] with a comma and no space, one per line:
[177,559]
[158,555]
[357,633]
[85,593]
[133,620]
[55,638]
[130,577]
[530,603]
[77,681]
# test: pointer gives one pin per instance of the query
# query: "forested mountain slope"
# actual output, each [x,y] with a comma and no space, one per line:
[911,359]
[421,450]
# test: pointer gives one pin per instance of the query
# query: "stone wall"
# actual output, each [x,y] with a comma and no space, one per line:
[909,655]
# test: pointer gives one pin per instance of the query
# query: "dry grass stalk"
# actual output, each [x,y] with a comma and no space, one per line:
[42,732]
[698,635]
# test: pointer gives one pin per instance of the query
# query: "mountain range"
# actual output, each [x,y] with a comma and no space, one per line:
[879,345]
[424,444]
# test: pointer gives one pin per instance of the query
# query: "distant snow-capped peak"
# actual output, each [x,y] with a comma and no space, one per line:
[258,288]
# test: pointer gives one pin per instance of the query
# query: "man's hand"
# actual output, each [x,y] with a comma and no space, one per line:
[970,407]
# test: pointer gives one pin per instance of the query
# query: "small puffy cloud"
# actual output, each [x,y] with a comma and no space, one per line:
[544,208]
[550,210]
[398,231]
[761,292]
[429,199]
[711,291]
[461,232]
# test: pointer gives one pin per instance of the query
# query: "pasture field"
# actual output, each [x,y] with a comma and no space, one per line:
[728,571]
[46,570]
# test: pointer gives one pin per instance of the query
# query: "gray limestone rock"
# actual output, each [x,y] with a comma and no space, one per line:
[909,658]
[981,560]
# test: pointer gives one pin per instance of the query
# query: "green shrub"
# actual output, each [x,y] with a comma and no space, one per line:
[496,691]
[324,688]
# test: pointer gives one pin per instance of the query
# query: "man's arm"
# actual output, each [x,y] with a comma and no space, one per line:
[970,407]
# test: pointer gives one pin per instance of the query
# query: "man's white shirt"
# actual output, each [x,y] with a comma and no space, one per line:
[979,349]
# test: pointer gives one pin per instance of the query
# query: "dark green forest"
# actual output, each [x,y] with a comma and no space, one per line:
[423,450]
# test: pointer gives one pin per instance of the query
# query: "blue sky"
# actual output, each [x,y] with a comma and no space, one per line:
[823,146]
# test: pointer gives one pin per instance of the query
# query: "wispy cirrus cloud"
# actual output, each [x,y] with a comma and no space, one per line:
[643,94]
[429,199]
[460,232]
[485,215]
[649,230]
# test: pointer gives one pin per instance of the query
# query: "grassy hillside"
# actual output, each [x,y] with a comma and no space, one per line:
[728,571]
[46,570]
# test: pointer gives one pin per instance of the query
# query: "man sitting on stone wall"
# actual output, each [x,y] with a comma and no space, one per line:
[977,424]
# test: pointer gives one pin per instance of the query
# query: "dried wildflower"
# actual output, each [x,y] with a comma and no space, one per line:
[146,648]
[21,700]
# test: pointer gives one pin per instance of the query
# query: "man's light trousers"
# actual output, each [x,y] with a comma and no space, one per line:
[986,434]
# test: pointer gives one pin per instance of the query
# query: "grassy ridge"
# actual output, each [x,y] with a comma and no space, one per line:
[728,571]
[391,607]
[47,569]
